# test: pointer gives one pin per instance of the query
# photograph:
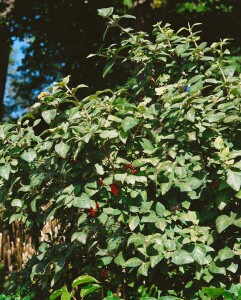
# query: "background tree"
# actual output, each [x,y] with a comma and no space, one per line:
[60,35]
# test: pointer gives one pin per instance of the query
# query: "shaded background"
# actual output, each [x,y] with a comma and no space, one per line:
[43,41]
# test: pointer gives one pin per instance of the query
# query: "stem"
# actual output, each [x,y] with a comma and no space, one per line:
[224,77]
[109,158]
[76,99]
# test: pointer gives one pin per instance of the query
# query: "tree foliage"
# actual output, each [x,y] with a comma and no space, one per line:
[144,180]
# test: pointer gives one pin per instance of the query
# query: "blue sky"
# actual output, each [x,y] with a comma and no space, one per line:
[17,56]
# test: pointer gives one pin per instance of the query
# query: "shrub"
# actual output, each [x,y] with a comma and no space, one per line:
[143,180]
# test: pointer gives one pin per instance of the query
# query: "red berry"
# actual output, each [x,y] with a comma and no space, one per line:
[114,189]
[175,208]
[97,205]
[130,167]
[92,212]
[105,273]
[101,182]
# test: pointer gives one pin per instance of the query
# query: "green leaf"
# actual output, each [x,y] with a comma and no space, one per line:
[161,224]
[223,222]
[16,203]
[181,172]
[238,222]
[103,218]
[136,239]
[66,79]
[58,293]
[66,296]
[225,253]
[234,180]
[108,67]
[104,12]
[213,117]
[120,177]
[62,149]
[156,259]
[111,297]
[160,209]
[109,134]
[29,155]
[5,171]
[128,3]
[190,116]
[81,86]
[213,292]
[233,267]
[169,298]
[180,49]
[143,269]
[89,289]
[134,222]
[217,270]
[190,216]
[104,261]
[133,262]
[147,145]
[129,122]
[194,182]
[15,217]
[229,71]
[128,16]
[99,169]
[230,119]
[208,276]
[82,202]
[170,245]
[119,260]
[199,253]
[83,279]
[131,179]
[182,257]
[165,187]
[49,115]
[143,161]
[80,237]
[195,79]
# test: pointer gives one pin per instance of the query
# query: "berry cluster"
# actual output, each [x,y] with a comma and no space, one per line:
[92,211]
[175,208]
[129,167]
[105,273]
[114,189]
[101,182]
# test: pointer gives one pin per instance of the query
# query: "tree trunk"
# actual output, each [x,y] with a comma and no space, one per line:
[5,48]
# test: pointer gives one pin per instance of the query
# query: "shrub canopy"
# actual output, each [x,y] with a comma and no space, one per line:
[144,180]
